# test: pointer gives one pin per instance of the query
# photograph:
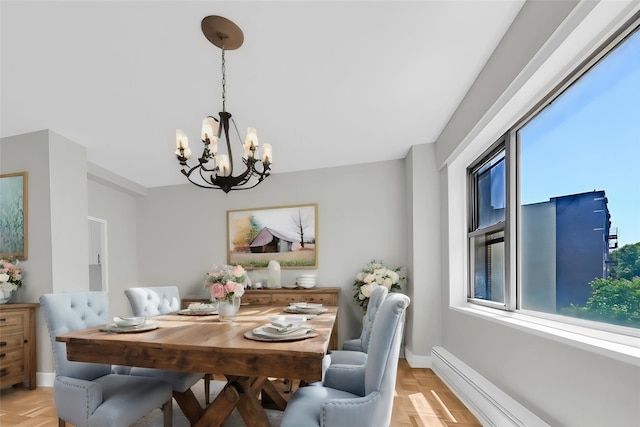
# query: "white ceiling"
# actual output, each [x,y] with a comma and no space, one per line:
[327,83]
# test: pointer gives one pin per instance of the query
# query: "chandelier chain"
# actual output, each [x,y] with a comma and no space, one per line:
[224,80]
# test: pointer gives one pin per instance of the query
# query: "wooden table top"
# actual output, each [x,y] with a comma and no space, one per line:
[204,344]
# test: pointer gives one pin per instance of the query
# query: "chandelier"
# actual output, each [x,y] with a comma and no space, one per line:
[215,169]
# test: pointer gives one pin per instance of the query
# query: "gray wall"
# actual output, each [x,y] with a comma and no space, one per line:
[57,219]
[361,216]
[423,327]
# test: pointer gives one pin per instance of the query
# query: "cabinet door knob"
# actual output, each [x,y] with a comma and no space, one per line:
[3,372]
[2,319]
[3,343]
[2,355]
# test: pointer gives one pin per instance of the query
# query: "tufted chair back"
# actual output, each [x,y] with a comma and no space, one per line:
[384,349]
[375,301]
[153,301]
[70,311]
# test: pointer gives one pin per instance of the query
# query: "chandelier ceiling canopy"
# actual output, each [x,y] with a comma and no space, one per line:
[215,169]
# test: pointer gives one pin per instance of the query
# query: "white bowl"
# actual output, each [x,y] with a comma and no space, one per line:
[128,321]
[298,304]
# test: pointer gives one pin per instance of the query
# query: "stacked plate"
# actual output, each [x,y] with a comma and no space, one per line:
[306,280]
[283,328]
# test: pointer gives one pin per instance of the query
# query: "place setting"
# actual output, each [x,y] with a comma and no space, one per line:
[282,328]
[305,308]
[123,325]
[200,309]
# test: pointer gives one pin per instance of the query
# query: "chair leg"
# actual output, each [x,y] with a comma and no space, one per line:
[167,411]
[61,422]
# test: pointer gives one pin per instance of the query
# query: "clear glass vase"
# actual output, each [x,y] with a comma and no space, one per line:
[228,310]
[5,296]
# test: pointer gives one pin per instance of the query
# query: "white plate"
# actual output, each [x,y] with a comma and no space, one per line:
[267,331]
[146,326]
[128,321]
[250,335]
[198,306]
[190,312]
[306,310]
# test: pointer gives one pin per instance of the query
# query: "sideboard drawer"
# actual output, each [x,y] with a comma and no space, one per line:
[9,355]
[17,344]
[286,297]
[11,341]
[11,373]
[256,299]
[11,321]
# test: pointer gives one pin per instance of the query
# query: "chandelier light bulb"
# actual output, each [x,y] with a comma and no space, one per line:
[181,139]
[210,128]
[267,156]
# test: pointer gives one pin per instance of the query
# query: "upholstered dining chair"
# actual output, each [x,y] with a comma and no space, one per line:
[362,343]
[154,301]
[356,395]
[354,352]
[89,394]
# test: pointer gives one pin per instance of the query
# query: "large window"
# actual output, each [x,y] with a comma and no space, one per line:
[572,170]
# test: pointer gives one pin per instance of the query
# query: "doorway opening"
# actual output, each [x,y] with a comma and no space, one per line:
[98,271]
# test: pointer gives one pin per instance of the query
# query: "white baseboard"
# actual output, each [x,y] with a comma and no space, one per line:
[487,402]
[44,379]
[417,361]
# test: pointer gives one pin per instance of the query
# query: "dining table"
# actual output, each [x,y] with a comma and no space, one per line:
[202,343]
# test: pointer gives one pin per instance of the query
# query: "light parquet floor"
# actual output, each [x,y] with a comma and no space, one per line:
[421,400]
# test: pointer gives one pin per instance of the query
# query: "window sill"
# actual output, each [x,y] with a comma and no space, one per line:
[609,344]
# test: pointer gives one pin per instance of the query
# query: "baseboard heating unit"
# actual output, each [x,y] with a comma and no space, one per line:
[487,402]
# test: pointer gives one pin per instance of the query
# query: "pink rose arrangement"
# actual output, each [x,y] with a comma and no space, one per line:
[226,282]
[10,275]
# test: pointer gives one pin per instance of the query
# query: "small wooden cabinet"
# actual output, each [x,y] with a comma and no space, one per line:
[284,296]
[18,344]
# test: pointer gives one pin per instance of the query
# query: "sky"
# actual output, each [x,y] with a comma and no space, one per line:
[589,139]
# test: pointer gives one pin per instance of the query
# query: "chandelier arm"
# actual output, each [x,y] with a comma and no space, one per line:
[188,175]
[209,179]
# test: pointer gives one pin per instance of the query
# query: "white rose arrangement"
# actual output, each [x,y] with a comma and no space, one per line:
[373,275]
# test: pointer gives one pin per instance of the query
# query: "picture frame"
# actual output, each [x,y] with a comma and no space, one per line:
[14,215]
[287,234]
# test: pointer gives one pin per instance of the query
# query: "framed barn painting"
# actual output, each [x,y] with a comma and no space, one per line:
[287,234]
[13,215]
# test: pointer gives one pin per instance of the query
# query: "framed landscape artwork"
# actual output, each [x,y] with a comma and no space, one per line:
[287,234]
[13,215]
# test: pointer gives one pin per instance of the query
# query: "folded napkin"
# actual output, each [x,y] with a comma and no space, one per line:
[283,327]
[270,330]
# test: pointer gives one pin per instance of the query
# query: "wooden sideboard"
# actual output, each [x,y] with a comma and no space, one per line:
[284,296]
[18,344]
